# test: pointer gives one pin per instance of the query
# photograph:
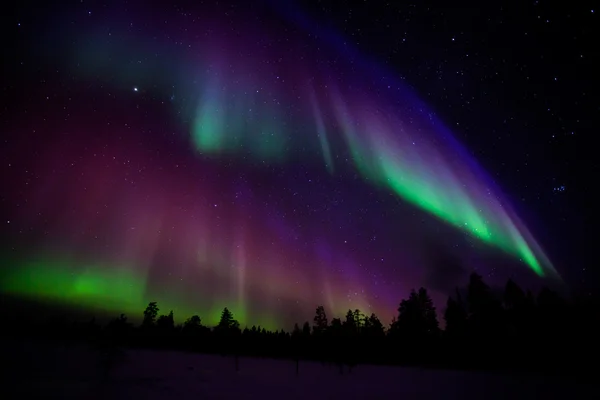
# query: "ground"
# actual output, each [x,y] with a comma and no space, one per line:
[43,370]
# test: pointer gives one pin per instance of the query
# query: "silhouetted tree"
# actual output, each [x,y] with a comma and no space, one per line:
[373,327]
[193,323]
[227,322]
[455,317]
[320,321]
[297,332]
[166,323]
[417,317]
[150,314]
[351,328]
[479,296]
[336,327]
[349,324]
[306,329]
[485,311]
[229,334]
[359,319]
[353,322]
[298,342]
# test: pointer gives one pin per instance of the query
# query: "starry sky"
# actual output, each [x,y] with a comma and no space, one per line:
[277,156]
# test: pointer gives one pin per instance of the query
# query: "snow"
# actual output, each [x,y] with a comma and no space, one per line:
[43,370]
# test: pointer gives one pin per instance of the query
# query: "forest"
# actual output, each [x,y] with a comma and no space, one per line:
[515,332]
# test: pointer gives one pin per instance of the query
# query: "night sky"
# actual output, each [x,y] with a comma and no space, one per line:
[275,156]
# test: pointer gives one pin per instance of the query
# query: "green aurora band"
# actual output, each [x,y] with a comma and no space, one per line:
[230,102]
[241,111]
[109,289]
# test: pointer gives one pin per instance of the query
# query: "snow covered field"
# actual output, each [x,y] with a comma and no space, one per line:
[38,370]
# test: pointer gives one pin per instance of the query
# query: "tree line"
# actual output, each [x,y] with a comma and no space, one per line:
[516,331]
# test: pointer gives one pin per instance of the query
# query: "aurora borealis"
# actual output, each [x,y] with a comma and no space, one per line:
[215,160]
